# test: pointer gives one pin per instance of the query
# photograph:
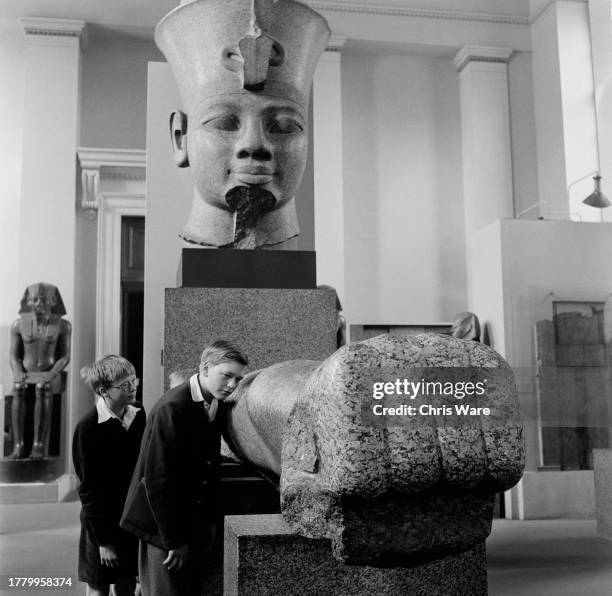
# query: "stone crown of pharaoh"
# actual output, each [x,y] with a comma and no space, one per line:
[244,49]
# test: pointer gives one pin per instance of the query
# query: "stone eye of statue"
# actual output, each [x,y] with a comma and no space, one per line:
[278,124]
[226,122]
[285,125]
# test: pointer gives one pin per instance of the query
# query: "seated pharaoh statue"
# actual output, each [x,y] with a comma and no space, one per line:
[40,350]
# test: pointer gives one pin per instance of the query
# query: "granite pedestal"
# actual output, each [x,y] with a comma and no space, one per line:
[263,556]
[270,325]
[602,460]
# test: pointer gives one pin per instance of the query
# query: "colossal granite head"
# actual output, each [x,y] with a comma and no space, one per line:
[387,491]
[244,69]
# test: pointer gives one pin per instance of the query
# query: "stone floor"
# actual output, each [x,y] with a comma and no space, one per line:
[528,558]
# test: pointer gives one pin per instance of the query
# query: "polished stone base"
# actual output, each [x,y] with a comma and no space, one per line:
[270,325]
[46,469]
[602,460]
[263,556]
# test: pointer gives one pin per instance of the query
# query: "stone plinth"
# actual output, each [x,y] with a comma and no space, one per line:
[30,470]
[263,556]
[270,325]
[602,459]
[232,268]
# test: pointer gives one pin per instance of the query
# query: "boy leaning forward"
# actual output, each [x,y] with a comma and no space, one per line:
[171,504]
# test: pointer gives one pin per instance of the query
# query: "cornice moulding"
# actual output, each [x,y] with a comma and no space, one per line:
[418,13]
[335,43]
[121,174]
[541,7]
[45,27]
[91,157]
[469,54]
[125,164]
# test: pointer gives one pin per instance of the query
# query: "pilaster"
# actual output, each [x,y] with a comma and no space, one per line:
[564,108]
[486,149]
[328,186]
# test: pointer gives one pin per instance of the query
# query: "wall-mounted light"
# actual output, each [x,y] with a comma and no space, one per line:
[597,198]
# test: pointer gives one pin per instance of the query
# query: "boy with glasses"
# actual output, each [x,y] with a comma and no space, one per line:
[105,448]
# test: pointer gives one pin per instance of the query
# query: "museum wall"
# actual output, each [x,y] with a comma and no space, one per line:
[113,115]
[523,133]
[601,40]
[114,98]
[12,77]
[405,255]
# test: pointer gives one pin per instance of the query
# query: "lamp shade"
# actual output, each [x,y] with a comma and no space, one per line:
[597,198]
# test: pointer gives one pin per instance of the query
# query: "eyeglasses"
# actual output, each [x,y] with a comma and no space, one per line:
[127,385]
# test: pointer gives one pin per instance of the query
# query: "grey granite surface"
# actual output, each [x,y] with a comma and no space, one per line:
[270,325]
[602,460]
[263,556]
[399,487]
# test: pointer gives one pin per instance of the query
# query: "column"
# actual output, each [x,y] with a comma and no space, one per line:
[327,150]
[486,150]
[485,129]
[565,109]
[600,18]
[46,250]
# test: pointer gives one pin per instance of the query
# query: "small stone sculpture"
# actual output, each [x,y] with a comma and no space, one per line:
[466,326]
[244,70]
[40,350]
[392,493]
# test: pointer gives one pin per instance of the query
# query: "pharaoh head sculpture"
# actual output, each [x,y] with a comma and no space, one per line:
[244,70]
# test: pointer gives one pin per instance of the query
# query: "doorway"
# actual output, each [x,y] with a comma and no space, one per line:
[132,292]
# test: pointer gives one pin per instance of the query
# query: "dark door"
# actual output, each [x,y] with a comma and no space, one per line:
[132,292]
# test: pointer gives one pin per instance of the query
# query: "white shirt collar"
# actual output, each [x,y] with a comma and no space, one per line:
[105,413]
[196,396]
[196,391]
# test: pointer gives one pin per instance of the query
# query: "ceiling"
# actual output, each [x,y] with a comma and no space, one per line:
[136,18]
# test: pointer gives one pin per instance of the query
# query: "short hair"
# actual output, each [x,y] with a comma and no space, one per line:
[105,371]
[222,351]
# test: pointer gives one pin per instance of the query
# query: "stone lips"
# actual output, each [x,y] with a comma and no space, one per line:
[394,496]
[201,41]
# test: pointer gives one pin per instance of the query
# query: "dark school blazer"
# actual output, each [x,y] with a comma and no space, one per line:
[173,489]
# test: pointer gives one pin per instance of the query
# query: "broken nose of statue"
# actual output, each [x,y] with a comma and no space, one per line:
[248,203]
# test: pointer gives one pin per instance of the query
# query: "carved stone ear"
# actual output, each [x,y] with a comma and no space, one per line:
[178,134]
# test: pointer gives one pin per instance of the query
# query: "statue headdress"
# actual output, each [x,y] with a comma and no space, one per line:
[243,46]
[51,294]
